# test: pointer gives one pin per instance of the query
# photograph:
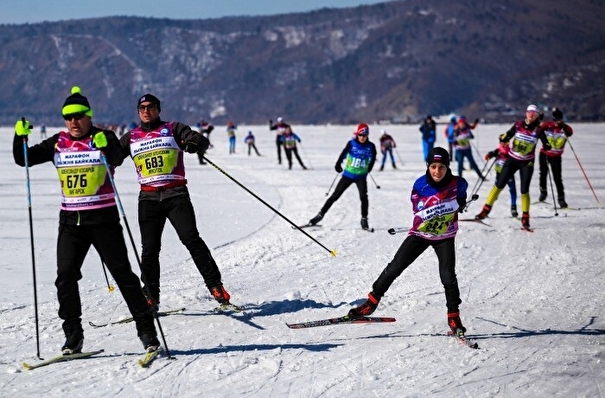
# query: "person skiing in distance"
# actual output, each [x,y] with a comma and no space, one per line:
[205,129]
[280,128]
[289,140]
[557,132]
[360,155]
[501,153]
[523,137]
[437,197]
[427,129]
[231,134]
[387,143]
[88,217]
[249,140]
[156,147]
[449,135]
[462,142]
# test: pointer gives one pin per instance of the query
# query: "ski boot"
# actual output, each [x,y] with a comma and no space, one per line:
[365,309]
[513,211]
[364,223]
[455,324]
[316,219]
[150,342]
[525,220]
[543,194]
[220,294]
[484,212]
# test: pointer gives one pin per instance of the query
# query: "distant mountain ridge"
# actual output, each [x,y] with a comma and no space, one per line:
[396,61]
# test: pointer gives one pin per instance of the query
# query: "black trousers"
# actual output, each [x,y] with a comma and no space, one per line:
[510,167]
[152,219]
[72,246]
[279,145]
[555,168]
[412,247]
[289,152]
[341,187]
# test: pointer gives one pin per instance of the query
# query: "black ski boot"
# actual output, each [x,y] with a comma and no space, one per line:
[74,337]
[150,342]
[543,195]
[513,211]
[316,219]
[364,223]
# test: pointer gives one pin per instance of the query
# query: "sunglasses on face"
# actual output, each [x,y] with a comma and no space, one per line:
[76,116]
[150,107]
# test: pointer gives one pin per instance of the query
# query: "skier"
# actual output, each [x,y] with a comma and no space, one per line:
[249,140]
[501,153]
[88,216]
[387,143]
[280,128]
[449,134]
[289,142]
[360,155]
[428,135]
[205,129]
[231,134]
[523,137]
[156,147]
[462,142]
[557,133]
[437,198]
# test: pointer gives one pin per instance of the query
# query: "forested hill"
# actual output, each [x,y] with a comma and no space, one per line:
[393,61]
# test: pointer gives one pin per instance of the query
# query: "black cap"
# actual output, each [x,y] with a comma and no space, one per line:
[149,98]
[438,155]
[557,114]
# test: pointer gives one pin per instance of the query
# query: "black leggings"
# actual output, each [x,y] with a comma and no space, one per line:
[412,247]
[341,187]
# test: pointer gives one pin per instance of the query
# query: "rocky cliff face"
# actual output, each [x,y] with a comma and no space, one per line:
[394,61]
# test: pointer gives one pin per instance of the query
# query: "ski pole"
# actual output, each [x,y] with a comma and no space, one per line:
[480,181]
[332,252]
[110,287]
[377,186]
[306,156]
[333,181]
[399,156]
[31,239]
[136,253]
[478,153]
[583,172]
[474,197]
[552,191]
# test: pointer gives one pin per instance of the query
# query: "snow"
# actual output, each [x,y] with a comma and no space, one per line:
[533,301]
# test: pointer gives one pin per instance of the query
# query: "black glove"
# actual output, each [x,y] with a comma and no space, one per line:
[547,146]
[338,168]
[476,121]
[461,204]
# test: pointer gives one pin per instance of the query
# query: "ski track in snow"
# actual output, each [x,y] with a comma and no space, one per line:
[532,301]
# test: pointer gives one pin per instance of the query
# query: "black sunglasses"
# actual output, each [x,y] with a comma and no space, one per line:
[76,116]
[150,107]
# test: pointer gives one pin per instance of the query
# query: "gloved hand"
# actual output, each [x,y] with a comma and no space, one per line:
[461,204]
[338,168]
[547,146]
[476,121]
[23,130]
[490,155]
[100,140]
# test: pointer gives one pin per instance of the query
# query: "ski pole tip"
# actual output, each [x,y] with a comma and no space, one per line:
[391,231]
[333,253]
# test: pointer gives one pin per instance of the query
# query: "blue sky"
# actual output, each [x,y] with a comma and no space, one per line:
[34,11]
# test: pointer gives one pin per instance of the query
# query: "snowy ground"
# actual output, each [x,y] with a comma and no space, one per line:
[533,302]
